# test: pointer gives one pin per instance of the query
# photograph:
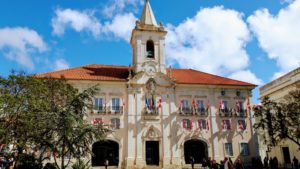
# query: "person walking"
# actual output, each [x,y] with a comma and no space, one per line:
[239,164]
[192,161]
[295,163]
[275,162]
[227,164]
[106,163]
[204,164]
[214,165]
[266,162]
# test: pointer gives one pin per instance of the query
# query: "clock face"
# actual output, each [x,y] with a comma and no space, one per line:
[150,69]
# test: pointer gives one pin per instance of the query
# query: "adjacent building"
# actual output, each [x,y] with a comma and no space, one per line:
[163,116]
[276,90]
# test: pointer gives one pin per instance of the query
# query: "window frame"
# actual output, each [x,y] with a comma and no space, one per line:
[189,125]
[242,152]
[115,123]
[115,107]
[96,102]
[230,125]
[230,153]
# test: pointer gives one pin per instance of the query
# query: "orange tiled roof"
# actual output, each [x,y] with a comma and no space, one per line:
[120,73]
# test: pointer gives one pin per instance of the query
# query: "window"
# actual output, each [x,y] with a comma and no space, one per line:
[201,107]
[98,104]
[115,123]
[115,102]
[223,93]
[150,49]
[202,124]
[185,105]
[244,149]
[238,93]
[242,125]
[187,124]
[228,149]
[226,125]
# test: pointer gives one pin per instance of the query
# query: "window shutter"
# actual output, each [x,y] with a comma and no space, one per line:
[185,123]
[200,124]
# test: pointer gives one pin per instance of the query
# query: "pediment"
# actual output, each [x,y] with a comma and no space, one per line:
[161,80]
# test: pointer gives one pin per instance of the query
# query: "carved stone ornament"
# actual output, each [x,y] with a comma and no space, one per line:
[151,86]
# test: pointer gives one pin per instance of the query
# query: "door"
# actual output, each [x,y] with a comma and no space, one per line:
[196,149]
[286,155]
[152,152]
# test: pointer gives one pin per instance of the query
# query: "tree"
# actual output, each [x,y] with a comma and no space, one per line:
[279,121]
[47,115]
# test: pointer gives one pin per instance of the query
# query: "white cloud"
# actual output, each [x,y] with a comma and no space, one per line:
[116,7]
[279,35]
[246,76]
[19,44]
[77,20]
[119,27]
[127,20]
[60,64]
[213,41]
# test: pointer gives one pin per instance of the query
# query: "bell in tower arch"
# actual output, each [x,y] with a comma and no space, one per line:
[150,49]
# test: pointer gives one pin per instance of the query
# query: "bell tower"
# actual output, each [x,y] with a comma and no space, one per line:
[148,43]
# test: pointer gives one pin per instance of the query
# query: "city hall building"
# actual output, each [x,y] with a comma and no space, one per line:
[162,116]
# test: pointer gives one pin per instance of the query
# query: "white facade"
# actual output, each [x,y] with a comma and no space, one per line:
[159,122]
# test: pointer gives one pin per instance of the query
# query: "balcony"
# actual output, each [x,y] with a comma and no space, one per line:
[186,111]
[115,109]
[99,110]
[241,113]
[151,111]
[108,110]
[201,112]
[227,112]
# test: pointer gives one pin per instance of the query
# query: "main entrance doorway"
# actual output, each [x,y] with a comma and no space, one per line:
[196,149]
[105,150]
[152,152]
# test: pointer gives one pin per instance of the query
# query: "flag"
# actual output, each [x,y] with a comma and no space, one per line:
[152,102]
[200,124]
[185,123]
[193,103]
[222,124]
[241,125]
[160,102]
[207,105]
[207,126]
[123,102]
[146,102]
[238,107]
[248,104]
[222,106]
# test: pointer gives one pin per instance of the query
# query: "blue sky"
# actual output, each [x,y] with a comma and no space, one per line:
[249,40]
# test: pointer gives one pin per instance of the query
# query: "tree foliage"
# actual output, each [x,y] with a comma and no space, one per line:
[47,115]
[278,121]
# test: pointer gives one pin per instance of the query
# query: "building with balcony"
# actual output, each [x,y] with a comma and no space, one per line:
[162,116]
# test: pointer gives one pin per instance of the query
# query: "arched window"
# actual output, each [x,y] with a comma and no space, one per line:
[150,49]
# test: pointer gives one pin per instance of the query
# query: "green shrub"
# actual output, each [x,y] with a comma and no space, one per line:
[50,166]
[81,165]
[26,161]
